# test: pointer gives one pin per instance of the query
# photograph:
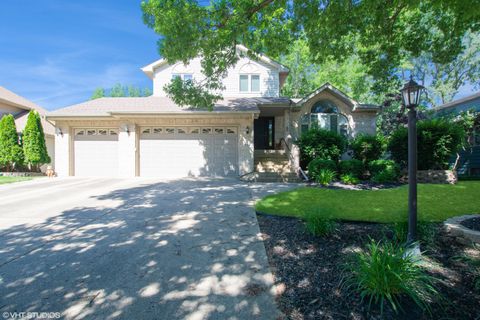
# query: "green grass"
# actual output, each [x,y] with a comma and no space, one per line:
[436,202]
[4,180]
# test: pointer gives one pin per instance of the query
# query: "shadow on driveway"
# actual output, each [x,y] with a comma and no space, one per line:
[180,249]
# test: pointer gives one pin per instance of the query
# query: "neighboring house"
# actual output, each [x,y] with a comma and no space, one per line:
[153,137]
[19,107]
[469,163]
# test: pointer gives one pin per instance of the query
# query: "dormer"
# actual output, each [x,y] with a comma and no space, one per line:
[248,78]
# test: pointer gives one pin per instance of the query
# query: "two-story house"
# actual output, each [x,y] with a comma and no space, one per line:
[251,129]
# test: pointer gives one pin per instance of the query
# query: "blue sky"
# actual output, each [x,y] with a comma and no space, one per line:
[56,53]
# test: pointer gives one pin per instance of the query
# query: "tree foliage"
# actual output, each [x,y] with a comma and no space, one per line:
[34,147]
[119,90]
[380,33]
[445,79]
[349,76]
[98,93]
[11,154]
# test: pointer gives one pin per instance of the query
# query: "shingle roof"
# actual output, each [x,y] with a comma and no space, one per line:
[108,106]
[11,98]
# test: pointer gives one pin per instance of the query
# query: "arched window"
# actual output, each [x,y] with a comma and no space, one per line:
[324,114]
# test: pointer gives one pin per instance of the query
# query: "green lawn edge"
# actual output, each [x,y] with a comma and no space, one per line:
[436,202]
[9,179]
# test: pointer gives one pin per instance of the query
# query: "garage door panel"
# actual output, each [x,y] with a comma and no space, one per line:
[188,155]
[96,156]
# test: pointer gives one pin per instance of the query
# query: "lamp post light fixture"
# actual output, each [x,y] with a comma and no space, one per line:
[411,93]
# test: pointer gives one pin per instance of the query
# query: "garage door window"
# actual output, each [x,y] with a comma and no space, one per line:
[206,130]
[194,130]
[157,130]
[218,130]
[96,132]
[181,130]
[231,130]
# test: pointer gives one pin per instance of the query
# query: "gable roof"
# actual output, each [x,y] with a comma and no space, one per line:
[356,106]
[458,102]
[14,99]
[107,107]
[150,68]
[11,98]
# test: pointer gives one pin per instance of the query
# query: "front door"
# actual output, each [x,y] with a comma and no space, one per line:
[264,130]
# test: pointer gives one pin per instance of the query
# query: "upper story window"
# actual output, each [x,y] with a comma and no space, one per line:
[183,76]
[476,135]
[249,83]
[325,115]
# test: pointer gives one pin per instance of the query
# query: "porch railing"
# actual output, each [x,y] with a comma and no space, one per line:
[292,159]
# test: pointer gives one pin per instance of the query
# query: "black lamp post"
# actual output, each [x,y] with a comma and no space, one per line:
[411,92]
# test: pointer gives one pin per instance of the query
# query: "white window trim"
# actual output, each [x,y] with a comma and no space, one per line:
[249,82]
[182,75]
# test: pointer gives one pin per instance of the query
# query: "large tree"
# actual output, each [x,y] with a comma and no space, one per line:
[119,90]
[381,33]
[443,80]
[11,154]
[34,147]
[349,75]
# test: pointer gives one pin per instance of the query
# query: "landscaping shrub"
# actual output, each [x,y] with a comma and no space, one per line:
[383,171]
[325,176]
[437,141]
[320,144]
[11,153]
[385,272]
[34,147]
[352,167]
[316,165]
[425,232]
[367,148]
[320,226]
[349,178]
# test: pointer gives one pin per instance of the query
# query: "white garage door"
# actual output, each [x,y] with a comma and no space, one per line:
[169,152]
[96,152]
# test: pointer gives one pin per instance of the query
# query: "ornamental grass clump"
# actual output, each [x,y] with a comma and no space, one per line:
[318,225]
[386,273]
[325,176]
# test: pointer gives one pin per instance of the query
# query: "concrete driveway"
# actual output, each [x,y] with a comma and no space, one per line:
[134,249]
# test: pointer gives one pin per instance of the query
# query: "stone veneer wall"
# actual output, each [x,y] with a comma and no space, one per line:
[437,176]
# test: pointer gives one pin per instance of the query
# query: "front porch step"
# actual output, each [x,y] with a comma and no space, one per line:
[272,167]
[271,177]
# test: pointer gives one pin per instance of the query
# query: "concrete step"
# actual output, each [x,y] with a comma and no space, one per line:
[271,177]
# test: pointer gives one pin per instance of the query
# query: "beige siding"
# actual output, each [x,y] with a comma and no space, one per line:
[269,78]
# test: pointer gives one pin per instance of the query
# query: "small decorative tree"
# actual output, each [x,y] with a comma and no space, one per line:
[11,153]
[34,147]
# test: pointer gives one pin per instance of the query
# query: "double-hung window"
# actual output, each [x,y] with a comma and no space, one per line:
[249,83]
[183,76]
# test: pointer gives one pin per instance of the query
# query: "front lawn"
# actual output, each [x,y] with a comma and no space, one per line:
[4,179]
[435,202]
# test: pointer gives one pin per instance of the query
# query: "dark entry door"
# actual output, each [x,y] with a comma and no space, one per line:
[264,130]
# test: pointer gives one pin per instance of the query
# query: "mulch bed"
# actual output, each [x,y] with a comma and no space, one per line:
[308,272]
[473,223]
